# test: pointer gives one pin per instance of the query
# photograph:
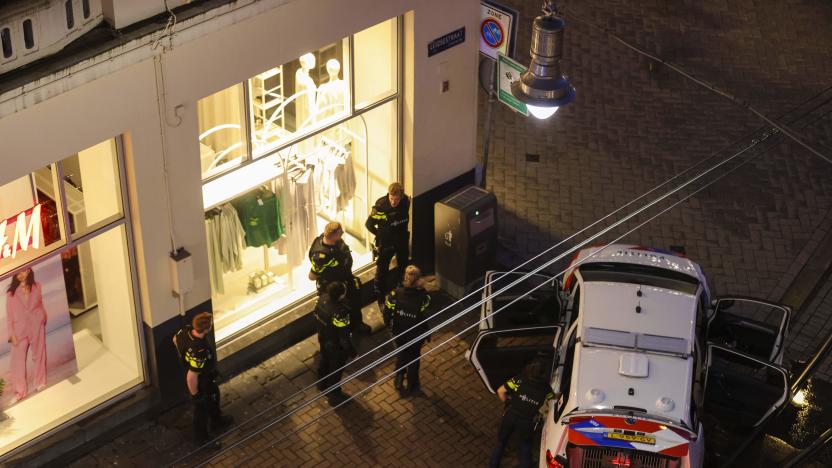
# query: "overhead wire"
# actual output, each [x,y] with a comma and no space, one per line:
[387,376]
[470,308]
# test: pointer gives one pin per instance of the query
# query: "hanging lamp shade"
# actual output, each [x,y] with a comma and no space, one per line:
[542,87]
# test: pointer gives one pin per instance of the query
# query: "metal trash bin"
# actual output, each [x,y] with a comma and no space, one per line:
[465,239]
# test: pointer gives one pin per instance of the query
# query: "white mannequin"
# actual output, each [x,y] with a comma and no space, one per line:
[332,93]
[305,111]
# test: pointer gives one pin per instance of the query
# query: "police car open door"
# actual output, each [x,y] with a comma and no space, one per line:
[750,325]
[517,306]
[499,355]
[742,390]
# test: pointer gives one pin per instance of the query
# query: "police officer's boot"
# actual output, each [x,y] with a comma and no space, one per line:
[399,382]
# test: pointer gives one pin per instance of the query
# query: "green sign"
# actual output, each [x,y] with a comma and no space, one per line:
[509,71]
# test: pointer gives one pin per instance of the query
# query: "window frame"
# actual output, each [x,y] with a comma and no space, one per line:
[351,114]
[70,242]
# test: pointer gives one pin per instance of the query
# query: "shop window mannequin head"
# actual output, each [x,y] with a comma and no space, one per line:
[307,62]
[332,94]
[333,67]
[306,90]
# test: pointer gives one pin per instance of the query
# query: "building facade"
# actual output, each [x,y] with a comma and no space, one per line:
[187,168]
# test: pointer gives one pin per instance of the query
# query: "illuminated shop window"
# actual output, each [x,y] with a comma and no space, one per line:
[67,318]
[221,131]
[315,161]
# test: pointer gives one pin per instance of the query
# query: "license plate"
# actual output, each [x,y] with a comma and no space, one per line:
[642,439]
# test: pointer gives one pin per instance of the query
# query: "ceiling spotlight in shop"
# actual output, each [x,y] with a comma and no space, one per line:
[542,87]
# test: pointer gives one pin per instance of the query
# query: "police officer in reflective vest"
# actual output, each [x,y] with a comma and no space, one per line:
[198,359]
[331,260]
[332,318]
[405,312]
[524,395]
[388,222]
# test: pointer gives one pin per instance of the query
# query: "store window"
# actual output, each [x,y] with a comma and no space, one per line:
[376,73]
[221,131]
[69,339]
[298,97]
[316,160]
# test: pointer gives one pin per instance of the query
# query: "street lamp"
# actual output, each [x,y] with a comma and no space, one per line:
[542,87]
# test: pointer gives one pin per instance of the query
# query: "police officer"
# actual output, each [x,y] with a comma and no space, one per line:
[331,260]
[332,318]
[405,311]
[524,395]
[201,378]
[388,222]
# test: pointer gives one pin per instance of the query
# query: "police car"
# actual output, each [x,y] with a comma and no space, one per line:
[640,353]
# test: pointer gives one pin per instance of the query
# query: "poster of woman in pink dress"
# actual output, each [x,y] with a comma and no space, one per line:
[39,350]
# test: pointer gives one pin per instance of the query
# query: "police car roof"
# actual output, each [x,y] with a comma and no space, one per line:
[643,342]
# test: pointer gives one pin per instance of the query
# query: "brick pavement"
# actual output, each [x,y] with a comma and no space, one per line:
[453,424]
[631,128]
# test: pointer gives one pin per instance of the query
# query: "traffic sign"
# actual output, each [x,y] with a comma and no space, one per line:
[509,71]
[497,30]
[492,33]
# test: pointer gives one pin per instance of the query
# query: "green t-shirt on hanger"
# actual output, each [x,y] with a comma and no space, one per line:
[259,212]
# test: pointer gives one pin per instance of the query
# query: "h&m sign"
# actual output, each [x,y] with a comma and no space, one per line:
[21,235]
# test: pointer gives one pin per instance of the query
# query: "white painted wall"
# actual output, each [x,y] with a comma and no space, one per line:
[121,13]
[98,102]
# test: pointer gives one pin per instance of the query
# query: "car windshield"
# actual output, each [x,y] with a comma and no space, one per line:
[639,274]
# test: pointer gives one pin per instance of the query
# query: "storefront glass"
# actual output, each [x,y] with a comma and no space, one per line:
[376,72]
[69,326]
[221,130]
[299,97]
[261,218]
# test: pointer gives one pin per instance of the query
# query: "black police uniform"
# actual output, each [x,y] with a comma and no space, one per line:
[332,319]
[334,263]
[197,356]
[525,397]
[405,310]
[389,225]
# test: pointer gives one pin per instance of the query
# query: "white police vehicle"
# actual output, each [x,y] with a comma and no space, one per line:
[640,352]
